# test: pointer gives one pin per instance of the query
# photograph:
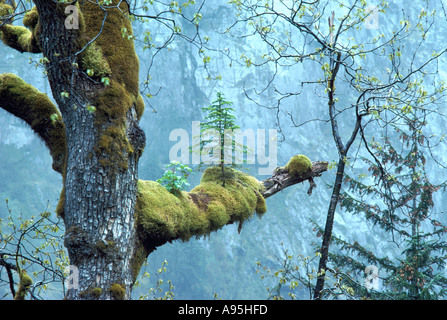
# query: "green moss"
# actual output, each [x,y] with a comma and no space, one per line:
[118,291]
[217,215]
[92,292]
[138,259]
[16,37]
[113,56]
[139,106]
[92,59]
[114,146]
[24,39]
[21,38]
[24,285]
[25,279]
[261,206]
[96,292]
[241,195]
[118,51]
[298,165]
[162,216]
[35,108]
[31,19]
[5,9]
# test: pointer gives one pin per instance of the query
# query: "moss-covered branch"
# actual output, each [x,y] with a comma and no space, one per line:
[163,217]
[7,8]
[297,170]
[36,109]
[24,285]
[23,39]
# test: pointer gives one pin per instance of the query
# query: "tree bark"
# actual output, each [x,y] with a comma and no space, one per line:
[327,235]
[100,176]
[343,150]
[98,214]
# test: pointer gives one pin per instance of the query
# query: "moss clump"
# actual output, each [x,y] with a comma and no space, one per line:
[118,291]
[5,9]
[138,259]
[21,38]
[298,165]
[118,51]
[31,19]
[241,196]
[24,285]
[92,59]
[162,216]
[261,206]
[139,106]
[16,37]
[95,293]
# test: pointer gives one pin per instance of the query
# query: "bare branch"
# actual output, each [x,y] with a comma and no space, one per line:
[282,179]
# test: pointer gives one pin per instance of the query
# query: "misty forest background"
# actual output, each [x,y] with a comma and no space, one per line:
[181,83]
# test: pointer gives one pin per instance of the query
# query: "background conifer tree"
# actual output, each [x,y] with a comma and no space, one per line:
[399,201]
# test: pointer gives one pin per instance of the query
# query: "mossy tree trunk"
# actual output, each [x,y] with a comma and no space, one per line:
[113,221]
[100,178]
